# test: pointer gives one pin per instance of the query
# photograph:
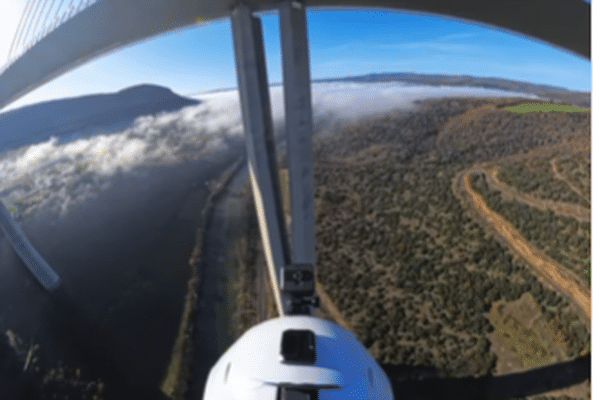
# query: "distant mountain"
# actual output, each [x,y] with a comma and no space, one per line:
[39,122]
[60,118]
[555,93]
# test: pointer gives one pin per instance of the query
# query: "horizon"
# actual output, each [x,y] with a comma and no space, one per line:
[343,42]
[11,107]
[321,80]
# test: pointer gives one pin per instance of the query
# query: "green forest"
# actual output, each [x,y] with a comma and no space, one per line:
[408,267]
[540,183]
[565,239]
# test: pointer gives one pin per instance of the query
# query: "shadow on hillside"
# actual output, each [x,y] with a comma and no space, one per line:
[79,337]
[424,383]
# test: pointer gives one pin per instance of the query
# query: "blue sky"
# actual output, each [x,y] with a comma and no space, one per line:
[342,43]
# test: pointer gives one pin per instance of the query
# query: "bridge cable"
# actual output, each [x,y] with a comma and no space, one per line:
[70,8]
[31,22]
[56,16]
[37,22]
[46,27]
[56,19]
[19,27]
[81,5]
[24,28]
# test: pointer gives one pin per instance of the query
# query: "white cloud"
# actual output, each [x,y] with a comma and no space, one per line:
[455,36]
[351,46]
[349,64]
[435,45]
[59,173]
[54,175]
[451,43]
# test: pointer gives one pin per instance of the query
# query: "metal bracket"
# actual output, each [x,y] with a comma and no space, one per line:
[299,288]
[299,278]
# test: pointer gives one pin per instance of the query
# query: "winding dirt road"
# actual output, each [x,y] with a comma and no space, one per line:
[557,275]
[561,177]
[330,308]
[559,207]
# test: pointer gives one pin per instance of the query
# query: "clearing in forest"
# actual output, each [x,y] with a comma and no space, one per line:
[531,107]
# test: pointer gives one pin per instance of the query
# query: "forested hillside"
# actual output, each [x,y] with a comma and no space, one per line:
[420,277]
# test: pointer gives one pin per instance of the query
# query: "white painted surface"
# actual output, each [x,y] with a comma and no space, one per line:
[255,367]
[40,269]
[260,142]
[299,125]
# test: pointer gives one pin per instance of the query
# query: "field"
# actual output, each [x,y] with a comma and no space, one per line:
[535,341]
[545,107]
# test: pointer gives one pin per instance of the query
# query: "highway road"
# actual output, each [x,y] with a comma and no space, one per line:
[216,293]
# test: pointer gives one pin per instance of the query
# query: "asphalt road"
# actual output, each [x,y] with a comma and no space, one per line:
[216,292]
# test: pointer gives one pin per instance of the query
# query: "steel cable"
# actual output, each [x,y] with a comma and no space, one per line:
[19,27]
[37,22]
[27,29]
[58,20]
[26,20]
[45,26]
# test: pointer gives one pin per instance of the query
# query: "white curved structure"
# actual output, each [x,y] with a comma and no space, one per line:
[108,25]
[40,269]
[254,367]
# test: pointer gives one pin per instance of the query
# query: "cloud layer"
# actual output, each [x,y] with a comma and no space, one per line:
[55,174]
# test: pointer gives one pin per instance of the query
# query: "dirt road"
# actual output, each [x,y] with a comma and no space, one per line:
[261,286]
[558,175]
[329,308]
[562,279]
[559,207]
